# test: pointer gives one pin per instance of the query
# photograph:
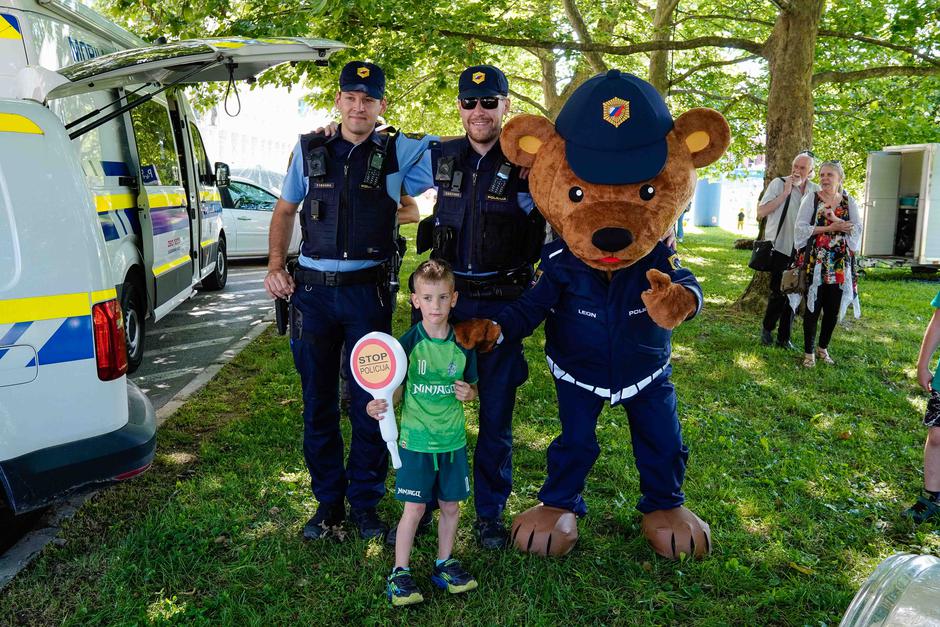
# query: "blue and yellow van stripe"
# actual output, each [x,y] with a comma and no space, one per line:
[9,27]
[59,327]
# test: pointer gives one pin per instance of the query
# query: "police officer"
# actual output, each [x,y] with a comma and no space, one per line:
[486,226]
[347,188]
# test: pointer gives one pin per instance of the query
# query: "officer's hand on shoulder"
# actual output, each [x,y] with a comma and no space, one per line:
[329,130]
[278,283]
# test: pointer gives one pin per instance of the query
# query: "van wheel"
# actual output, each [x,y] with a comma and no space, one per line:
[219,276]
[132,304]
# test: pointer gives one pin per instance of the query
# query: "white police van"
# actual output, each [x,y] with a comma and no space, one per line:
[106,199]
[154,189]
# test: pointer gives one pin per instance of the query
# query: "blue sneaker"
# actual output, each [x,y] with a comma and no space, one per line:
[400,588]
[452,577]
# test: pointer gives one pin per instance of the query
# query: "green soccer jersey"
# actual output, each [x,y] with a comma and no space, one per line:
[432,419]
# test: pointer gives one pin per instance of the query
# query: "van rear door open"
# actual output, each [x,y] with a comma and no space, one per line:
[179,209]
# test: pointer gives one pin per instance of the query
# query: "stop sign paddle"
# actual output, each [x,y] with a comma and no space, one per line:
[378,364]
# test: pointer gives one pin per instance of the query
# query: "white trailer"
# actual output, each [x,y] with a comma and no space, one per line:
[902,206]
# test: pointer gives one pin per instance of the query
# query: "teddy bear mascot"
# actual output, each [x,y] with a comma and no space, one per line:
[611,176]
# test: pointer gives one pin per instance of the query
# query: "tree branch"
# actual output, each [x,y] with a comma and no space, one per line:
[735,18]
[580,29]
[529,101]
[875,72]
[525,79]
[732,98]
[878,42]
[648,46]
[703,66]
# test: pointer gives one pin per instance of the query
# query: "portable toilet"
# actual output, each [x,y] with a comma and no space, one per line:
[902,205]
[706,203]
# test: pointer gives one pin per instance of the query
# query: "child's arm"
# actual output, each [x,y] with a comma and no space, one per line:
[377,407]
[465,391]
[927,348]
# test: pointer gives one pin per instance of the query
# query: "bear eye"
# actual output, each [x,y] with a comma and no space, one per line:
[576,194]
[647,192]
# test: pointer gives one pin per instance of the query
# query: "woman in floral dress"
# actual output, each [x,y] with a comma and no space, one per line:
[828,232]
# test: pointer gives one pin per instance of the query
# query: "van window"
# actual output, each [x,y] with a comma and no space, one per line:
[103,151]
[159,164]
[199,151]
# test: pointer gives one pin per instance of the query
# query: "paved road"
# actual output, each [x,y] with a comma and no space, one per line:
[198,332]
[181,351]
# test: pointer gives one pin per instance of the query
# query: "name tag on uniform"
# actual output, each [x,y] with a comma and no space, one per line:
[323,185]
[497,198]
[451,194]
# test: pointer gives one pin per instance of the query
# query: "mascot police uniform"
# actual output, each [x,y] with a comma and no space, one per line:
[611,177]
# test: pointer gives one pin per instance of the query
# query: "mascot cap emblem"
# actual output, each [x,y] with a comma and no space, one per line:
[616,111]
[627,142]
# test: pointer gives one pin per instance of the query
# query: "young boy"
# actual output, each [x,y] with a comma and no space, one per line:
[433,438]
[928,505]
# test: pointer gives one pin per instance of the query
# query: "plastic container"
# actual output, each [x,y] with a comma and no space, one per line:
[903,590]
[909,201]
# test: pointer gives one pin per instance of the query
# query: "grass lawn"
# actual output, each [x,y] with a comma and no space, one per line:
[802,475]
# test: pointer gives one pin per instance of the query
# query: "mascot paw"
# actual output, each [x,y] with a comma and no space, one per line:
[666,303]
[545,531]
[477,333]
[674,531]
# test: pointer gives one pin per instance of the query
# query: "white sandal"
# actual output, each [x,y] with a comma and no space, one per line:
[809,360]
[823,356]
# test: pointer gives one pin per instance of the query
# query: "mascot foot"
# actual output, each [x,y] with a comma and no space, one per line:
[674,531]
[545,530]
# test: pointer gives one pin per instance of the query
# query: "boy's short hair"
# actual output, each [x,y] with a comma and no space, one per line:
[432,271]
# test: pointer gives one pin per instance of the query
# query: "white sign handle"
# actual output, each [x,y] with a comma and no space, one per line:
[378,364]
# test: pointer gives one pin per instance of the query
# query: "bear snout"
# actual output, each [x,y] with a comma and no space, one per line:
[611,239]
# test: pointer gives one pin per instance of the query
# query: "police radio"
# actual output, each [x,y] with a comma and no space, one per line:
[374,171]
[456,181]
[498,186]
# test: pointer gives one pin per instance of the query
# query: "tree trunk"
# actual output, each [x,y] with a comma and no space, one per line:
[789,108]
[659,59]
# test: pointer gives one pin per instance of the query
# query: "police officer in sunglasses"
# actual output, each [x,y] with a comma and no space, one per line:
[486,226]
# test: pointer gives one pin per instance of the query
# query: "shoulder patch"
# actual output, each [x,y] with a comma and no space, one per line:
[674,262]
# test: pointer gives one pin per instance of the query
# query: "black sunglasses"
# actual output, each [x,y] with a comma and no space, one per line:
[808,153]
[488,102]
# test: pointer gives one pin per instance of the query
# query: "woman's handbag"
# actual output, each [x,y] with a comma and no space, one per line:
[795,279]
[763,258]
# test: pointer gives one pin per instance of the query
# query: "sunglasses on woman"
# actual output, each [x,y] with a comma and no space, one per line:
[487,102]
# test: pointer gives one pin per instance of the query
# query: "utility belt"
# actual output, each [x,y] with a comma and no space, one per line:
[377,275]
[501,286]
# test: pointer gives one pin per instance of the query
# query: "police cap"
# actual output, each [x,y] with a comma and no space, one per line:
[615,127]
[363,76]
[481,81]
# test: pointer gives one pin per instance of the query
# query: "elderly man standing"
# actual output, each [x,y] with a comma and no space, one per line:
[347,187]
[780,204]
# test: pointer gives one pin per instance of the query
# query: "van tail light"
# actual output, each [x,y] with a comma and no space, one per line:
[110,342]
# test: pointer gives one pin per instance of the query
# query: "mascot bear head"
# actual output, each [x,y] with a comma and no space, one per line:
[615,172]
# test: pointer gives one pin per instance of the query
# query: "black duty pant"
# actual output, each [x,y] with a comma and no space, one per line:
[828,299]
[778,308]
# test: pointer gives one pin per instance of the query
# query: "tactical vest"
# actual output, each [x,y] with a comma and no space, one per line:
[347,212]
[478,225]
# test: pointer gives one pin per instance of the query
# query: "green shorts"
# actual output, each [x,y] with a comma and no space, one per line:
[425,475]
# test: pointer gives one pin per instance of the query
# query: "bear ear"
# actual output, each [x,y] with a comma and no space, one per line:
[706,134]
[522,137]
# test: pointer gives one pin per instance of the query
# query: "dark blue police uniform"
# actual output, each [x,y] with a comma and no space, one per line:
[486,227]
[600,342]
[602,346]
[348,217]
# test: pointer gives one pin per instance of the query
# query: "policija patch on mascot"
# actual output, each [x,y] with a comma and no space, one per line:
[674,262]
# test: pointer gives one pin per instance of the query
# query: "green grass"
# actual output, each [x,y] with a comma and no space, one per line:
[802,475]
